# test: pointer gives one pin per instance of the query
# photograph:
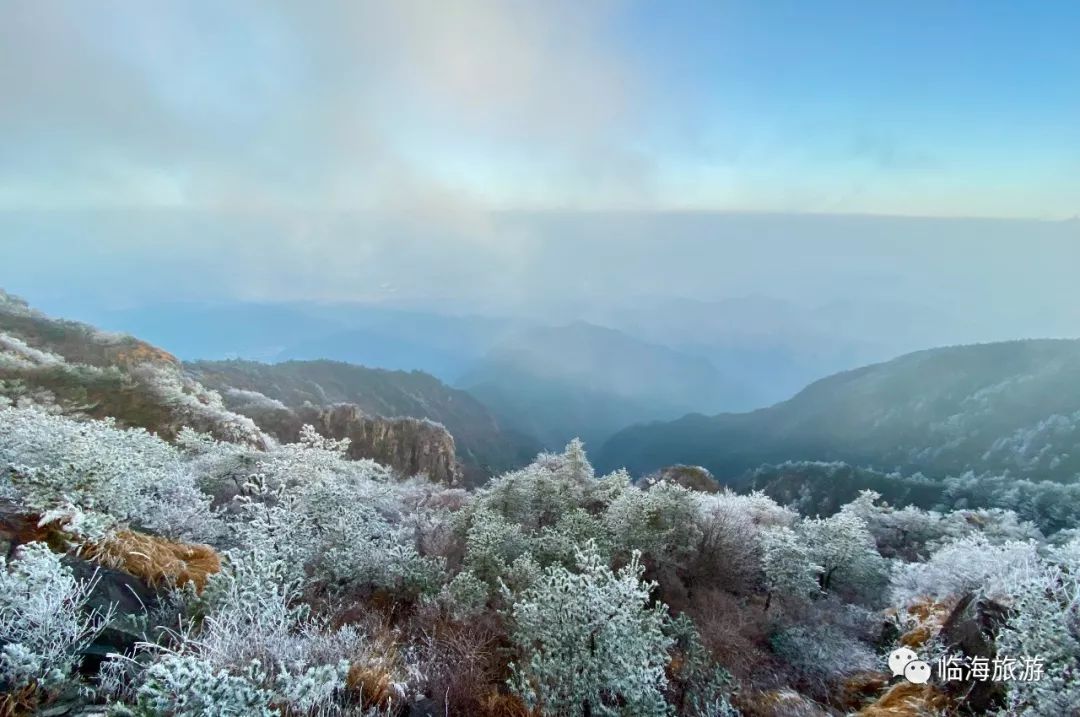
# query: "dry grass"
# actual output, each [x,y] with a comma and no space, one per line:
[905,699]
[156,560]
[497,704]
[371,686]
[18,528]
[861,688]
[778,703]
[21,702]
[927,617]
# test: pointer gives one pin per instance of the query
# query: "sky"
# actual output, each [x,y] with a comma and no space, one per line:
[486,153]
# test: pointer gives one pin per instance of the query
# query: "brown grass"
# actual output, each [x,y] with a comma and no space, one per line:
[497,704]
[905,699]
[21,702]
[861,688]
[927,616]
[778,703]
[21,528]
[371,686]
[157,561]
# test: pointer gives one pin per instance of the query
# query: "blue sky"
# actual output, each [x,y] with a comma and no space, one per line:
[913,108]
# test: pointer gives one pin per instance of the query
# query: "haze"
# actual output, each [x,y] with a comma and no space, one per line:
[835,181]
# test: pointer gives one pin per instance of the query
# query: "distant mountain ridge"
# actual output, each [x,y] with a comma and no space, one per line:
[482,444]
[588,381]
[1009,407]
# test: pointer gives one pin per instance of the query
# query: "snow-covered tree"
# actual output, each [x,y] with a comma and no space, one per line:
[1044,623]
[968,564]
[790,572]
[589,643]
[662,523]
[847,553]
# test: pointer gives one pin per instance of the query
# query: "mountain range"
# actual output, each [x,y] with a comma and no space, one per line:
[588,381]
[1004,408]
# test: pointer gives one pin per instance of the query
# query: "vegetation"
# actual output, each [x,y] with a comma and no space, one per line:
[342,589]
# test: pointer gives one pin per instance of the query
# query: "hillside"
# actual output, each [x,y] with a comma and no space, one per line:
[1006,407]
[83,371]
[589,381]
[483,446]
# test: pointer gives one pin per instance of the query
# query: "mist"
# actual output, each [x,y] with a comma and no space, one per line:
[776,192]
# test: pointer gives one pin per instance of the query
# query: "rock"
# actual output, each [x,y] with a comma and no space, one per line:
[127,596]
[970,630]
[411,446]
[693,477]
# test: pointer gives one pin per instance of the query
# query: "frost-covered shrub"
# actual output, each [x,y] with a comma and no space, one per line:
[790,572]
[554,484]
[847,553]
[762,510]
[699,687]
[912,534]
[823,654]
[559,543]
[589,643]
[964,565]
[342,524]
[187,686]
[729,553]
[465,596]
[55,463]
[662,523]
[903,533]
[192,404]
[492,543]
[44,623]
[16,353]
[1045,622]
[256,646]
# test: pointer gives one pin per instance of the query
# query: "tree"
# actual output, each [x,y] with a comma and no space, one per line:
[847,553]
[589,643]
[789,570]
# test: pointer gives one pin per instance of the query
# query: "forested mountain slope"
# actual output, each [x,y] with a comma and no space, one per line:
[1002,408]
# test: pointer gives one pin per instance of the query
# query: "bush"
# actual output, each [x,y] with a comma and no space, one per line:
[589,643]
[95,476]
[44,623]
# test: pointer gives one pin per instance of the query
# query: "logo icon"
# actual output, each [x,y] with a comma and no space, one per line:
[917,672]
[904,661]
[899,658]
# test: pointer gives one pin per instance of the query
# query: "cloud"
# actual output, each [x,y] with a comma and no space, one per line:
[343,105]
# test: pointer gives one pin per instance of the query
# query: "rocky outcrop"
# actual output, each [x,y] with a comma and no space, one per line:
[484,446]
[970,631]
[409,445]
[692,477]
